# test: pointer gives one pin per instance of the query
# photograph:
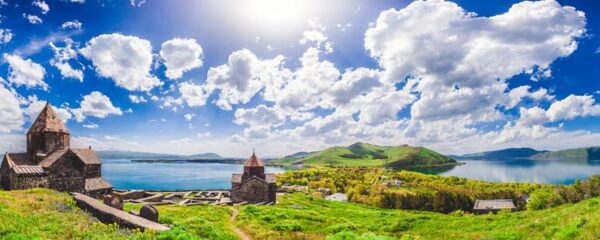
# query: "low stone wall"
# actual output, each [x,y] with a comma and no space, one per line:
[107,214]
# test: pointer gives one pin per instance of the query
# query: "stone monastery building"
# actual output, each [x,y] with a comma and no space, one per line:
[253,186]
[50,162]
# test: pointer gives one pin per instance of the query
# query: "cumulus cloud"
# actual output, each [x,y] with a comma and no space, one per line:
[573,106]
[42,5]
[6,35]
[259,116]
[242,77]
[181,55]
[125,59]
[97,105]
[24,72]
[137,99]
[33,19]
[458,56]
[91,126]
[192,94]
[61,58]
[11,115]
[75,24]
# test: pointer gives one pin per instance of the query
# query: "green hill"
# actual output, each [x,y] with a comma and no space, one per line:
[503,154]
[364,154]
[590,153]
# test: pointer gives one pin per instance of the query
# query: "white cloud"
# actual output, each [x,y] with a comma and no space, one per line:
[517,94]
[75,24]
[42,5]
[242,77]
[137,99]
[33,19]
[573,106]
[25,72]
[456,54]
[61,58]
[137,3]
[96,105]
[91,126]
[125,59]
[189,116]
[203,134]
[11,115]
[6,35]
[259,116]
[193,95]
[181,55]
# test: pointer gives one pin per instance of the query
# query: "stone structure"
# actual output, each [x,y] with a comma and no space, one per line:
[149,212]
[50,162]
[108,214]
[253,186]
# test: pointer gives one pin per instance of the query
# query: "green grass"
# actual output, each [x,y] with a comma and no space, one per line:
[300,216]
[46,214]
[368,155]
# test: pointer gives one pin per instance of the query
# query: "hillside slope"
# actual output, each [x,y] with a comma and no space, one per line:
[502,154]
[364,154]
[590,153]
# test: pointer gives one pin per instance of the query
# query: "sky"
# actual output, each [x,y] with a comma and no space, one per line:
[283,76]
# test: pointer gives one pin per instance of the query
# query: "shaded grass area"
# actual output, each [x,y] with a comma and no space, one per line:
[46,214]
[300,216]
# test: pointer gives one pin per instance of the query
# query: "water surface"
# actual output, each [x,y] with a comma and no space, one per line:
[124,174]
[554,172]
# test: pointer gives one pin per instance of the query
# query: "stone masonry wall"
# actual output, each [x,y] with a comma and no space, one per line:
[253,191]
[25,182]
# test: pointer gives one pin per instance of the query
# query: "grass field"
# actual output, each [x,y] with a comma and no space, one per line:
[46,214]
[299,216]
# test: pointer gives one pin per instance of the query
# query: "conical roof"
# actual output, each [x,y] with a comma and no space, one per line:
[48,121]
[253,161]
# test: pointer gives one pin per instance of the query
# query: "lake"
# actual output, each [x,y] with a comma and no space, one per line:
[554,172]
[124,174]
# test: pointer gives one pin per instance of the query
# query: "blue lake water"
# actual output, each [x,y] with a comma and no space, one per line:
[124,174]
[554,172]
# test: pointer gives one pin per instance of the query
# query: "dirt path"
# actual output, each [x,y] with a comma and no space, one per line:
[243,235]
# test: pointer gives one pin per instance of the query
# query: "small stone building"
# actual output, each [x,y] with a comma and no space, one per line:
[50,162]
[493,206]
[253,186]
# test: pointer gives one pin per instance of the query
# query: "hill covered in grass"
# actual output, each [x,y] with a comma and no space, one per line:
[502,154]
[369,155]
[589,153]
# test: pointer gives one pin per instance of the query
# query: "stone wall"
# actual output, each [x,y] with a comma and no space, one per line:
[254,191]
[92,171]
[47,142]
[107,214]
[98,193]
[25,182]
[66,174]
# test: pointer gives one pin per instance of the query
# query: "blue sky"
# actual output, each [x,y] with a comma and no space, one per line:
[286,76]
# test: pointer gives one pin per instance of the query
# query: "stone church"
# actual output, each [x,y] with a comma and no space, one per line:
[253,186]
[50,162]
